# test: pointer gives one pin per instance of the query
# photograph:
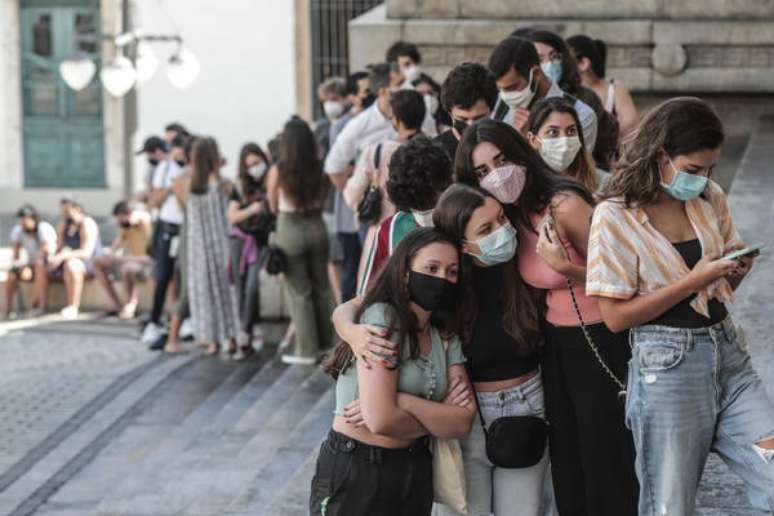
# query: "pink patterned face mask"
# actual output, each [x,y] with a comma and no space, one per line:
[505,183]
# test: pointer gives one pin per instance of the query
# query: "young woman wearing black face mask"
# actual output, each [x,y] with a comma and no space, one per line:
[375,460]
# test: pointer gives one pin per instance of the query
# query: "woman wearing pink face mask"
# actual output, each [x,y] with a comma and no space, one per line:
[584,364]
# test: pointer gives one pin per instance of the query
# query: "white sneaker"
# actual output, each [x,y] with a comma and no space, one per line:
[187,329]
[69,312]
[151,333]
[297,360]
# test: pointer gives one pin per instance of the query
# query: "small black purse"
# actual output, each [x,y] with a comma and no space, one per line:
[273,260]
[369,210]
[513,442]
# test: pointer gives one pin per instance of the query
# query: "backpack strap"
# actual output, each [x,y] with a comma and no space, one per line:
[377,156]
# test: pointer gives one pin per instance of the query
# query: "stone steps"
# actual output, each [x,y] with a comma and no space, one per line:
[277,474]
[152,476]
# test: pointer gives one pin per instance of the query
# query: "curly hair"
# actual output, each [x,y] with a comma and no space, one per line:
[466,84]
[419,171]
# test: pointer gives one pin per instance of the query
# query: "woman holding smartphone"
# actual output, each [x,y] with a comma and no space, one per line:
[654,265]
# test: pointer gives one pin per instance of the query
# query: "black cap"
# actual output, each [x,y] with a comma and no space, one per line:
[152,144]
[27,210]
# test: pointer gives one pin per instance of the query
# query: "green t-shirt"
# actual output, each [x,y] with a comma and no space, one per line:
[421,376]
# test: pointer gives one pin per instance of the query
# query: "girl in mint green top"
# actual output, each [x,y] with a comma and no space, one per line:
[375,460]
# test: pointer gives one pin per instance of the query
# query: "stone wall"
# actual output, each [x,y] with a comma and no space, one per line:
[653,46]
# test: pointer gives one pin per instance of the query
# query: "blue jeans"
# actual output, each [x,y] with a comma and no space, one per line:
[493,490]
[692,391]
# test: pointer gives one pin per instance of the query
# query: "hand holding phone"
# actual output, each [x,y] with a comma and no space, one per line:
[747,251]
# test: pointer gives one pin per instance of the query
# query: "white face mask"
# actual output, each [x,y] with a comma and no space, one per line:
[559,153]
[412,73]
[423,218]
[519,98]
[333,109]
[257,171]
[431,103]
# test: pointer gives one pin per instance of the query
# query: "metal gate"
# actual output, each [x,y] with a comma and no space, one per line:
[330,39]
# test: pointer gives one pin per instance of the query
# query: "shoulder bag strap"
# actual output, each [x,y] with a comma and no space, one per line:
[594,349]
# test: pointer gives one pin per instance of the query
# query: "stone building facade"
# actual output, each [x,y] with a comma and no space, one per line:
[710,46]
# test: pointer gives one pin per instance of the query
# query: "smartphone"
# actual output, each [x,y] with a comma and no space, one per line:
[743,252]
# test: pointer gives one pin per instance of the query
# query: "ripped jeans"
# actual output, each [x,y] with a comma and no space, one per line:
[692,391]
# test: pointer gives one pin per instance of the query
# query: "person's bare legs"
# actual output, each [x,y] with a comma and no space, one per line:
[10,288]
[130,273]
[39,285]
[102,266]
[74,274]
[173,340]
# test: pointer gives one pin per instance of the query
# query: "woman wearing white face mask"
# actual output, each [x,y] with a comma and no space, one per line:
[592,455]
[553,129]
[251,222]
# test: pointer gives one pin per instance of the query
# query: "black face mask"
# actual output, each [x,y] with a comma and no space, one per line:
[153,162]
[69,221]
[460,126]
[126,225]
[31,231]
[180,162]
[368,100]
[431,293]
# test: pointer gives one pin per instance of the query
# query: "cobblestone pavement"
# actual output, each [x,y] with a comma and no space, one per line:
[48,373]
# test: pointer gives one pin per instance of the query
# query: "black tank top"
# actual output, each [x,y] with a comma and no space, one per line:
[682,315]
[492,354]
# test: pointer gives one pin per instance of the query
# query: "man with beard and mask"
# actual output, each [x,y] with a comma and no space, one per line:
[126,258]
[371,125]
[38,239]
[468,94]
[166,235]
[515,63]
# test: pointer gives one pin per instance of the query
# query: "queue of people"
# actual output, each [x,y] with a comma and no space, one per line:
[542,321]
[532,297]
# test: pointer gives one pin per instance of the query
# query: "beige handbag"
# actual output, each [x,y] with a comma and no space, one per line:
[448,471]
[448,474]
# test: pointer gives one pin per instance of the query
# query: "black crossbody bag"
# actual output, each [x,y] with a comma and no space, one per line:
[369,211]
[513,442]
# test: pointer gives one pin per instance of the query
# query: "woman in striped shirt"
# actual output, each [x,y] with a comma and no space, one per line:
[653,263]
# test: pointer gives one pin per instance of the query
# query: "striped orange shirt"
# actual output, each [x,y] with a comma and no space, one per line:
[628,256]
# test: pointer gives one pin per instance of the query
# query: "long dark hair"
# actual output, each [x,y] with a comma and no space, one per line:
[582,168]
[205,161]
[391,288]
[300,170]
[678,126]
[247,183]
[521,303]
[542,183]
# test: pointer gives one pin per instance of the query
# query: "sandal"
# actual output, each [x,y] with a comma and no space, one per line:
[212,349]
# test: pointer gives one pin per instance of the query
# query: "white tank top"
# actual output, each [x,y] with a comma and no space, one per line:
[610,100]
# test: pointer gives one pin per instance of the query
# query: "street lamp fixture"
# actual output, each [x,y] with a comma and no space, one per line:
[121,74]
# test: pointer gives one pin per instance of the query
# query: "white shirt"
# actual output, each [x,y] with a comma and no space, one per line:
[165,174]
[586,115]
[32,243]
[368,127]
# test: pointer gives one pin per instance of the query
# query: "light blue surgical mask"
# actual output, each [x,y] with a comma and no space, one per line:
[685,186]
[497,247]
[552,70]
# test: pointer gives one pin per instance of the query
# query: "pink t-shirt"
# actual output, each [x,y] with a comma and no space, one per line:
[537,273]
